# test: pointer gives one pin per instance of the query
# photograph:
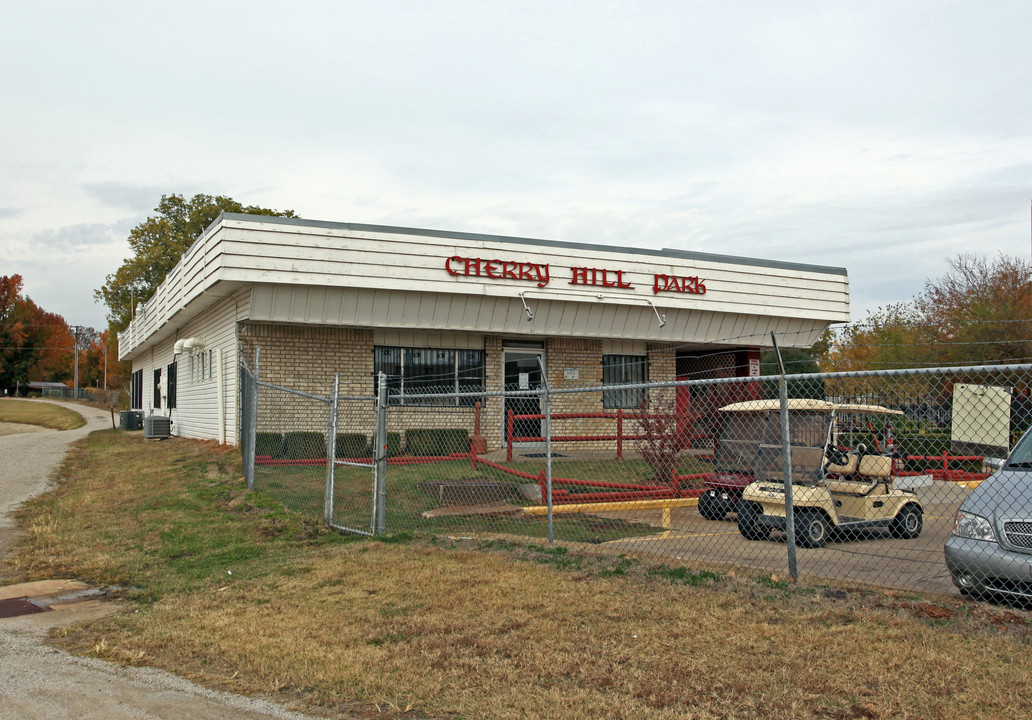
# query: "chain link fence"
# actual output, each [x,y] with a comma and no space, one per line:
[883,466]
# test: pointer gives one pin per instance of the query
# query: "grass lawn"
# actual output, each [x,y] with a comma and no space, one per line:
[37,412]
[229,589]
[301,488]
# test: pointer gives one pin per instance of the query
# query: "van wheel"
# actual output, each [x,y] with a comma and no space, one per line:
[908,523]
[748,514]
[811,529]
[711,507]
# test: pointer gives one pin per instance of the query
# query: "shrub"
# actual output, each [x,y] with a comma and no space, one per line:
[423,442]
[393,445]
[303,445]
[267,443]
[352,445]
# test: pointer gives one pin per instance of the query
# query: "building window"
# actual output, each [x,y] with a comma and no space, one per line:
[171,372]
[624,370]
[425,371]
[136,392]
[202,365]
[157,389]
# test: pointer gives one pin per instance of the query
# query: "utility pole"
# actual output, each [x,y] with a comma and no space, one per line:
[75,389]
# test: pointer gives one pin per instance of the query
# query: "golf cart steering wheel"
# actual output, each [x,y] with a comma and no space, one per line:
[837,455]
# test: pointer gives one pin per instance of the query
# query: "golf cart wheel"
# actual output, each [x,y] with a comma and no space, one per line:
[908,523]
[711,507]
[811,529]
[748,514]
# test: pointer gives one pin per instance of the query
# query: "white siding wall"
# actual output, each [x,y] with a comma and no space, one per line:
[196,415]
[318,256]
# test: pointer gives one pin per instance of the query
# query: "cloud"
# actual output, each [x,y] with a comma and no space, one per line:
[81,236]
[125,196]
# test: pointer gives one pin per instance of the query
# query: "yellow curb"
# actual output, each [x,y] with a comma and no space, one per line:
[559,509]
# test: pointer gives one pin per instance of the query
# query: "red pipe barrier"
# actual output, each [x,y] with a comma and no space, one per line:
[508,434]
[619,434]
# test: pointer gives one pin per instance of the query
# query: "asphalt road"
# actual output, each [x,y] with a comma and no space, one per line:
[870,558]
[39,682]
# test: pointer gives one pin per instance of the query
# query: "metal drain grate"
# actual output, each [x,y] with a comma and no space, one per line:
[13,607]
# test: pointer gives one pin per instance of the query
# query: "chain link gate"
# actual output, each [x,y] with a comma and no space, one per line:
[313,453]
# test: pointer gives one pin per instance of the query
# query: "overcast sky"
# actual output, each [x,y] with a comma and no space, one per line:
[882,137]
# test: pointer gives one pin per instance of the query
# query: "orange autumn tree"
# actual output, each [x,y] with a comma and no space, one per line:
[979,312]
[34,344]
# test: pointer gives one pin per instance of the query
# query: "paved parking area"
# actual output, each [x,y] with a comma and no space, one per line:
[871,558]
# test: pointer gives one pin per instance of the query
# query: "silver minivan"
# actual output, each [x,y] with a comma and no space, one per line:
[989,554]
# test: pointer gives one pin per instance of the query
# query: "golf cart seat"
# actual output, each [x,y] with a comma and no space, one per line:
[875,466]
[872,473]
[851,462]
[857,487]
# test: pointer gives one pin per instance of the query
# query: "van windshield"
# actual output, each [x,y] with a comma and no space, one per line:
[1021,455]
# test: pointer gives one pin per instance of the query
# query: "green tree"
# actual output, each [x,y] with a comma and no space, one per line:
[979,312]
[158,243]
[798,361]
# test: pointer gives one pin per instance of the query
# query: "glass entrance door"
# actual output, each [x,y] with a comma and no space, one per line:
[522,371]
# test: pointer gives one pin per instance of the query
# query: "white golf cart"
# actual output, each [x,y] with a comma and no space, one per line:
[834,489]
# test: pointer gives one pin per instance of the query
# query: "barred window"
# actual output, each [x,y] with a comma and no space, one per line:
[137,391]
[412,372]
[171,380]
[624,370]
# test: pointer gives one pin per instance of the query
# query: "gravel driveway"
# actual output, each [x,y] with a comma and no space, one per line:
[39,682]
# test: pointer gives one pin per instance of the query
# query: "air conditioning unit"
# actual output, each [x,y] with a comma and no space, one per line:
[130,420]
[157,427]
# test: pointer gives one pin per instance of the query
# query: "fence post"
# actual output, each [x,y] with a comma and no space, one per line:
[331,453]
[786,448]
[380,490]
[253,419]
[244,435]
[548,449]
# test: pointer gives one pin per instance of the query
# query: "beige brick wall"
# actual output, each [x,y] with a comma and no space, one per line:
[306,358]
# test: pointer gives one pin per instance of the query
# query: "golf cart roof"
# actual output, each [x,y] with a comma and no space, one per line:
[808,405]
[775,404]
[866,409]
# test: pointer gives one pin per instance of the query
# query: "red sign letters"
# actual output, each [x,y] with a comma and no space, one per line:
[540,274]
[499,269]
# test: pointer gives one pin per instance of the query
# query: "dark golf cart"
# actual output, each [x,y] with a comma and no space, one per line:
[744,428]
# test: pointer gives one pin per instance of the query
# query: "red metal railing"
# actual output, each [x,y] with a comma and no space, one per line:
[626,491]
[946,472]
[620,436]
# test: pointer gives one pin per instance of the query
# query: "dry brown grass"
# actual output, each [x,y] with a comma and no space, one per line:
[493,630]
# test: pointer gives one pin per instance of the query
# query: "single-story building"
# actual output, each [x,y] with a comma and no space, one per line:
[472,312]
